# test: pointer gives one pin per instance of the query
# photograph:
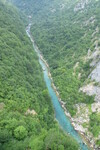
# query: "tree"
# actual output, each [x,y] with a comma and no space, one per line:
[20,133]
[4,136]
[60,147]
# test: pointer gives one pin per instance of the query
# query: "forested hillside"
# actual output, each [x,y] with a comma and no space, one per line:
[26,112]
[68,34]
[64,43]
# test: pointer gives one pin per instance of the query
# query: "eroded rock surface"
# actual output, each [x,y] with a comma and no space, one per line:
[81,5]
[95,74]
[31,112]
[90,89]
[95,107]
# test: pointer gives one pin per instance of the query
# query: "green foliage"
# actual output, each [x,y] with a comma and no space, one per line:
[5,135]
[22,88]
[98,142]
[20,133]
[55,140]
[95,124]
[64,38]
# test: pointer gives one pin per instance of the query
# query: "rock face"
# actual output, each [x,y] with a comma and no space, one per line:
[81,5]
[95,75]
[81,117]
[96,107]
[90,89]
[81,121]
[31,112]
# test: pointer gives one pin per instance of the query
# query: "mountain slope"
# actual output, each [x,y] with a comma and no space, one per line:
[63,42]
[26,112]
[68,34]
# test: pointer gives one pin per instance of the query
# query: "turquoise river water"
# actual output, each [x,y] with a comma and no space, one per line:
[63,120]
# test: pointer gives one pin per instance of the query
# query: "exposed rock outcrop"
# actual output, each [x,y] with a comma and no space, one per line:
[31,112]
[90,89]
[81,5]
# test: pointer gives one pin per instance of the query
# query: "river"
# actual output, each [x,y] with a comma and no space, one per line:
[63,120]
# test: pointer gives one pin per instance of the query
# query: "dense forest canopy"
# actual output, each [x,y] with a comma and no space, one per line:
[26,113]
[60,33]
[66,32]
